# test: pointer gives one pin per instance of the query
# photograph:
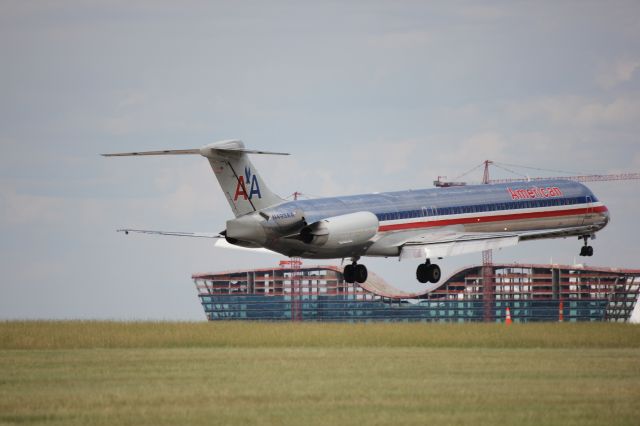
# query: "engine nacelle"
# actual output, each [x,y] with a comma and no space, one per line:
[246,229]
[341,231]
[289,219]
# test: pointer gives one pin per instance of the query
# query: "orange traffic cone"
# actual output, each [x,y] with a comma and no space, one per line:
[508,320]
[561,312]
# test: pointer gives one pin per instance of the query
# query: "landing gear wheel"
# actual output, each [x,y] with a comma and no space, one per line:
[434,273]
[427,272]
[586,251]
[361,273]
[422,273]
[349,274]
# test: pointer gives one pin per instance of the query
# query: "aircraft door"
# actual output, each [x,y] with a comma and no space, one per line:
[429,211]
[589,212]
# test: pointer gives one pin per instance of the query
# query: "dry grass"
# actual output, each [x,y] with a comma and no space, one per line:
[314,374]
[91,334]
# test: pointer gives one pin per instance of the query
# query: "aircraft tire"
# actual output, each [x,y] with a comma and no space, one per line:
[361,273]
[589,251]
[349,274]
[434,273]
[422,273]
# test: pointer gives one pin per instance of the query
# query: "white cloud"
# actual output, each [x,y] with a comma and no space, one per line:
[577,111]
[390,157]
[618,72]
[486,145]
[618,112]
[20,209]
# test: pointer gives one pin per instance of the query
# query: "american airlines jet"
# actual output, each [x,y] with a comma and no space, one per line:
[429,223]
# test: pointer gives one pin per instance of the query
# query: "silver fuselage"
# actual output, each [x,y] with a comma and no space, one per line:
[525,206]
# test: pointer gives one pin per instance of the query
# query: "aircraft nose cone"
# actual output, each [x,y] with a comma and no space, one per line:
[606,216]
[247,228]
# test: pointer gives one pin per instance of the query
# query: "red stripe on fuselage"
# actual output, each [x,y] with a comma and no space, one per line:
[495,218]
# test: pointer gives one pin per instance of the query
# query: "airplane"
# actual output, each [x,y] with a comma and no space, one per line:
[428,223]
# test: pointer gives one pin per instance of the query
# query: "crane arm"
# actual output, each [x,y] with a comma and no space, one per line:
[584,178]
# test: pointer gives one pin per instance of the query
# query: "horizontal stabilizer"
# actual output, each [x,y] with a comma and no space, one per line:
[172,233]
[221,147]
[165,152]
[219,242]
[253,151]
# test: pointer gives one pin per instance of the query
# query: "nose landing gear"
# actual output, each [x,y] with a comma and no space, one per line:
[428,272]
[586,250]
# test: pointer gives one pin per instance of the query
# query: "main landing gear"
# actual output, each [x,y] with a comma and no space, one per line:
[427,272]
[586,250]
[355,273]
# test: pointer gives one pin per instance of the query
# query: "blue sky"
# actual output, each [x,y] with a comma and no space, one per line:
[367,96]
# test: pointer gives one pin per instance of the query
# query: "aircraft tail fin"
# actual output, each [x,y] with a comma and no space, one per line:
[243,186]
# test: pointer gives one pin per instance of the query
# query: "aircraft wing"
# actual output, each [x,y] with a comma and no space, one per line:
[452,243]
[220,240]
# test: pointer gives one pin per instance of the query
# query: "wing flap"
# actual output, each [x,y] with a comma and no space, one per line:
[455,247]
[558,233]
[453,243]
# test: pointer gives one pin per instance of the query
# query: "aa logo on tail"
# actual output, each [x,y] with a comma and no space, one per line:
[241,187]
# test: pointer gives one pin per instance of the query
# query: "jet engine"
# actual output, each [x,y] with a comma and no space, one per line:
[246,231]
[341,231]
[288,220]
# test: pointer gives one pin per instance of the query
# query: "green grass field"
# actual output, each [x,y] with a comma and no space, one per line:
[255,373]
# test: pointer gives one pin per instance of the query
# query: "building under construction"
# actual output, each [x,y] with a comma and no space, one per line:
[292,292]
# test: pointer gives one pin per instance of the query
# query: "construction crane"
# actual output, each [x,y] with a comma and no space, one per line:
[488,285]
[488,281]
[577,178]
[584,178]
